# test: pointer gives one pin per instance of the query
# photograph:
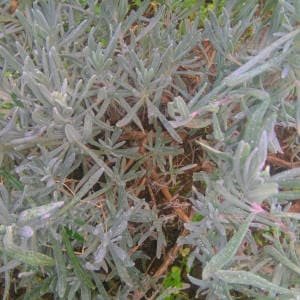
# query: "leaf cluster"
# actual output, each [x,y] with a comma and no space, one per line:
[100,102]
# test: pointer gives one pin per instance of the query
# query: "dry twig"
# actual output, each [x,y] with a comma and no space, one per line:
[278,162]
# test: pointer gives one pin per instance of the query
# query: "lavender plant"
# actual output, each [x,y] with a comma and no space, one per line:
[106,109]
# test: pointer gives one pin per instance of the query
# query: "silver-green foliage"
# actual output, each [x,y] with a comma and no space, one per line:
[79,76]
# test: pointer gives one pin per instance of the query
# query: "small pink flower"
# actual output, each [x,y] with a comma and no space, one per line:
[194,114]
[256,208]
[46,216]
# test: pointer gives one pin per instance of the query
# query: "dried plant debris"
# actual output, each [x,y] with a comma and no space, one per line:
[149,149]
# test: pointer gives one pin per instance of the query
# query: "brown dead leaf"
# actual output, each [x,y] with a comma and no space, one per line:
[13,5]
[295,208]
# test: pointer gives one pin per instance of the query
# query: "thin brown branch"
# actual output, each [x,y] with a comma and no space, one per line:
[167,195]
[278,162]
[170,258]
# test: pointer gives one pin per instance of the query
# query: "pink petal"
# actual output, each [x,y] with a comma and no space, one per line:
[256,208]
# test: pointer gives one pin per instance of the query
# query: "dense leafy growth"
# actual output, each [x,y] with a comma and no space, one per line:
[148,149]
